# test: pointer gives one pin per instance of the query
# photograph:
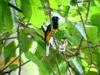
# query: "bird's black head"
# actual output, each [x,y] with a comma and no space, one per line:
[55,18]
[55,22]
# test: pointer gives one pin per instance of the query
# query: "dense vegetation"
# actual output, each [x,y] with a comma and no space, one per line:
[22,38]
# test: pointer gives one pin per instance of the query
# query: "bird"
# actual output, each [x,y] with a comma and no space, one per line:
[50,32]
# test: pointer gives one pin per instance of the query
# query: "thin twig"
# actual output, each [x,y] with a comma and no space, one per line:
[93,46]
[18,34]
[67,62]
[26,26]
[88,10]
[8,38]
[87,14]
[79,45]
[58,67]
[82,24]
[10,64]
[85,24]
[11,5]
[80,16]
[38,34]
[15,68]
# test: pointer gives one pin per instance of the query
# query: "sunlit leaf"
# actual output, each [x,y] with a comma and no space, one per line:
[81,29]
[77,65]
[38,15]
[53,4]
[92,71]
[97,2]
[85,65]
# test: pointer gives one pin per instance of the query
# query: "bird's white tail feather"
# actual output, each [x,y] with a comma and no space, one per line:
[47,49]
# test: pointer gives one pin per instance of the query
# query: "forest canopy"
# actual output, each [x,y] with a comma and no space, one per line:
[77,40]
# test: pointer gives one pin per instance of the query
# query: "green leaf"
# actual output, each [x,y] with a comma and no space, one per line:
[41,48]
[97,2]
[60,34]
[85,65]
[42,69]
[1,12]
[34,32]
[53,4]
[63,2]
[97,57]
[81,29]
[9,51]
[26,8]
[25,41]
[64,33]
[92,33]
[38,15]
[1,46]
[77,65]
[73,2]
[95,20]
[12,66]
[5,17]
[40,42]
[92,71]
[63,67]
[6,0]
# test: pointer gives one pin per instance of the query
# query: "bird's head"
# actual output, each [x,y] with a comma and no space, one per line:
[55,18]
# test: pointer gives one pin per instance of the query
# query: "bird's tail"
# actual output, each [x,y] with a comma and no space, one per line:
[47,49]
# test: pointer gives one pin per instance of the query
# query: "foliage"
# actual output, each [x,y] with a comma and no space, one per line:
[22,38]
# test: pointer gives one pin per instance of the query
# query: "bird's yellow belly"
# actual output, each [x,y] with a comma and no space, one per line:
[50,34]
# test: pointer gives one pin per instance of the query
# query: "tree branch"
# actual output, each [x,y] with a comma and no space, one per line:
[49,12]
[15,68]
[9,64]
[18,34]
[16,8]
